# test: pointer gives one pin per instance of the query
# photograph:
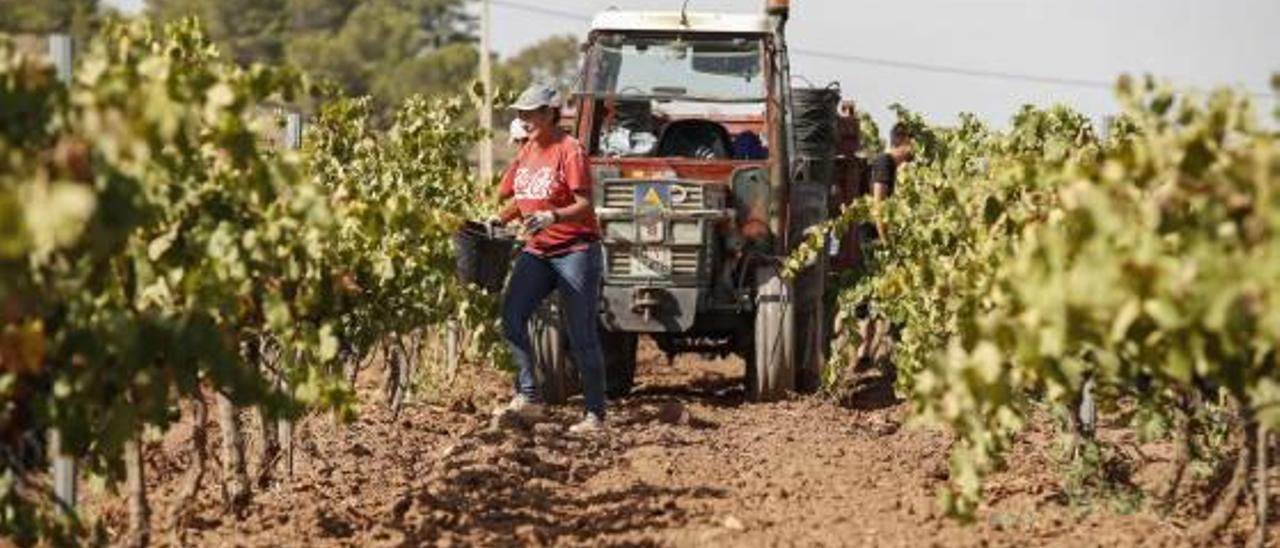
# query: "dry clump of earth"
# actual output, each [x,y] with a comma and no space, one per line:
[686,461]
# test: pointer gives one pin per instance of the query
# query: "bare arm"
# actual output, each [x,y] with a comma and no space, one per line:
[578,210]
[879,194]
[509,211]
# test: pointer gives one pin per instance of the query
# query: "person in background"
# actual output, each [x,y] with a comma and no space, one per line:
[548,187]
[884,182]
[884,171]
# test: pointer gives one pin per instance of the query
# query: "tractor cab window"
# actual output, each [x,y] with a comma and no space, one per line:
[670,96]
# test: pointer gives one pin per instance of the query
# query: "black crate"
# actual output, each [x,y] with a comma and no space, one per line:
[484,255]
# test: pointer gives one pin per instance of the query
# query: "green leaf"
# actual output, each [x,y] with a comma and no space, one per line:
[1265,397]
[328,344]
[1128,313]
[56,213]
[161,244]
[1164,313]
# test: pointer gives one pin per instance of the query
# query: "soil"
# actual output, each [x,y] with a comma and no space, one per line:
[685,462]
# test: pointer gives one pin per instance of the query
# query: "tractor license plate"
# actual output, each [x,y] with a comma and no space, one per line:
[651,262]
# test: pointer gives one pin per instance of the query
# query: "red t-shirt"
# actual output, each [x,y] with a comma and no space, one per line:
[543,178]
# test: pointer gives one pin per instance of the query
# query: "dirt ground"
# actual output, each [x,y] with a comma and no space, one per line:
[686,463]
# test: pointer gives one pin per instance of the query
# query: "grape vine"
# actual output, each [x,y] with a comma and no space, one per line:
[1023,263]
[151,235]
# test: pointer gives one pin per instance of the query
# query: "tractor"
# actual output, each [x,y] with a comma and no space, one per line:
[702,188]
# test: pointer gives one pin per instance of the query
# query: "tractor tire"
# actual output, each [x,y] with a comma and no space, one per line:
[619,362]
[771,371]
[555,374]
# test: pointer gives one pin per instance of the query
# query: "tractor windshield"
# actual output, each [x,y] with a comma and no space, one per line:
[674,68]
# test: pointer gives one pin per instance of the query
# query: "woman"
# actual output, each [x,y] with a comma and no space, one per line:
[548,186]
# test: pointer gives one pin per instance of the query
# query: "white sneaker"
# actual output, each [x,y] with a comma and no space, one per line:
[591,424]
[522,407]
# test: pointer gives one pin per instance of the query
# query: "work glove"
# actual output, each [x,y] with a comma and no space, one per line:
[534,223]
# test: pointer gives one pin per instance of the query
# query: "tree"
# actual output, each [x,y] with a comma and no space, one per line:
[77,17]
[444,70]
[387,48]
[248,30]
[553,60]
[318,15]
[443,22]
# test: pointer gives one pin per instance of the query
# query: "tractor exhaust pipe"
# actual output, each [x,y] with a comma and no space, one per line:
[779,8]
[778,12]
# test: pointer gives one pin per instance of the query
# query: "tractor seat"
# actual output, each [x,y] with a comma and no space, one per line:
[699,139]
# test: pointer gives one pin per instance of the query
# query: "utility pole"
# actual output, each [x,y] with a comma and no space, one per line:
[486,111]
[293,130]
[60,53]
[64,467]
[284,427]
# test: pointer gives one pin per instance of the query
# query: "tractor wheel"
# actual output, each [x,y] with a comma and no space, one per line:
[771,373]
[555,374]
[619,362]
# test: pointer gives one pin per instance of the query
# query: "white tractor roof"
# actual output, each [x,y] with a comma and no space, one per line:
[671,21]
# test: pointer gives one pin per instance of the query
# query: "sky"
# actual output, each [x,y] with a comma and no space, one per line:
[942,57]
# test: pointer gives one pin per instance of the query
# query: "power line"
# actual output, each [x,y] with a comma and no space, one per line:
[541,10]
[960,71]
[881,62]
[976,73]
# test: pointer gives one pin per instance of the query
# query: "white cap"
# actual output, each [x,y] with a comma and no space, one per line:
[517,130]
[537,96]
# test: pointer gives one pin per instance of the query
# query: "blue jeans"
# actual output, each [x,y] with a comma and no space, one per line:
[577,276]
